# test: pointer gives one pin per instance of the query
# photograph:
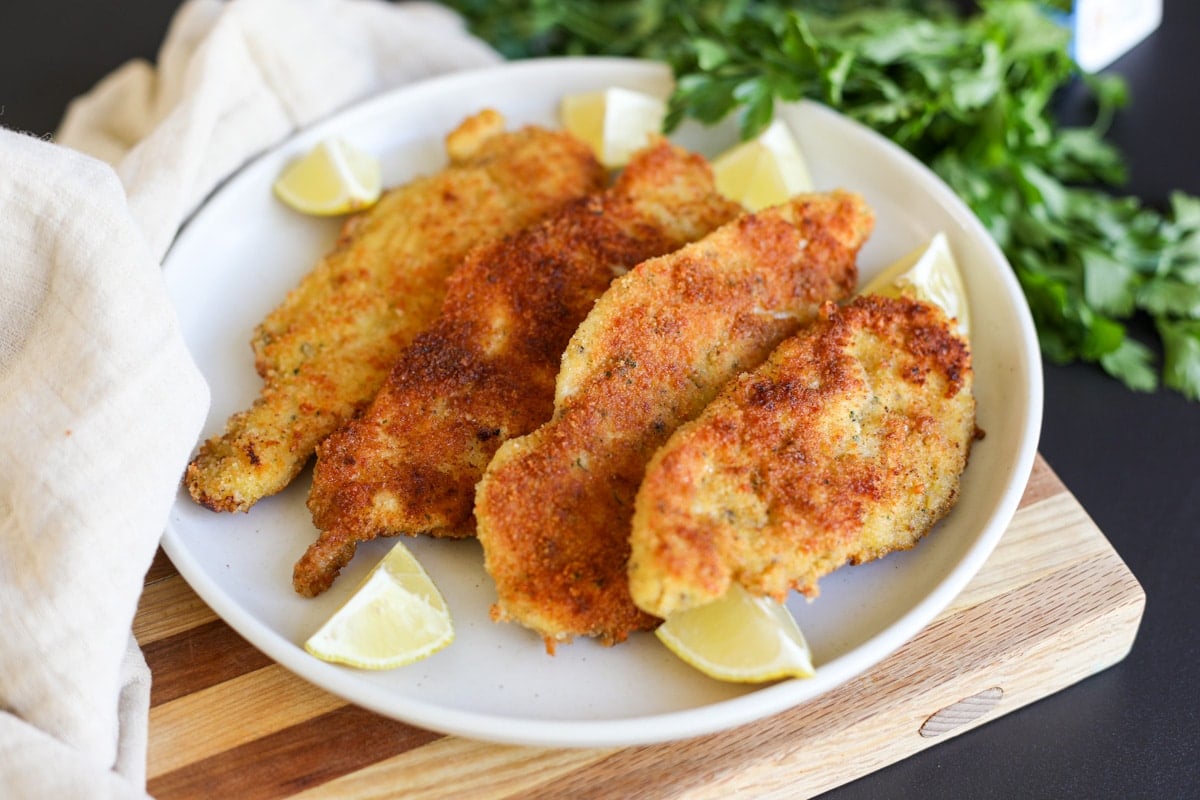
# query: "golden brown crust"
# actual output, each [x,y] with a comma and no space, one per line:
[554,507]
[485,370]
[847,444]
[324,352]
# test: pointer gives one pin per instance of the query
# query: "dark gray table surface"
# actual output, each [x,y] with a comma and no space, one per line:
[1133,460]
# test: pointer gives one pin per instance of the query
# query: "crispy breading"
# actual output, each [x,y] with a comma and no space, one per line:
[484,372]
[554,507]
[845,445]
[325,351]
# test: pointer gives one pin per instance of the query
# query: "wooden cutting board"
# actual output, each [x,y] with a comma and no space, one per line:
[1053,605]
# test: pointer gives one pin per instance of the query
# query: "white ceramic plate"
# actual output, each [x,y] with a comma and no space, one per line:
[243,250]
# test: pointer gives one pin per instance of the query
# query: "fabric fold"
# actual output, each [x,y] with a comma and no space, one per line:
[104,404]
[103,401]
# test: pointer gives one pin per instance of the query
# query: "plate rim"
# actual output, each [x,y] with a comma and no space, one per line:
[658,727]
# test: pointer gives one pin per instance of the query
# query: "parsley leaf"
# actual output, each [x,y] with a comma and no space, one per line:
[970,95]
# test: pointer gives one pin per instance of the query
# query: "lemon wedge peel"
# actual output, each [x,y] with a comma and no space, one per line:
[764,171]
[615,122]
[396,616]
[333,178]
[928,273]
[739,638]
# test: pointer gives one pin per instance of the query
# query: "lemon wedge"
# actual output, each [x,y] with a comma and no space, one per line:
[740,638]
[615,123]
[763,171]
[396,616]
[333,178]
[929,273]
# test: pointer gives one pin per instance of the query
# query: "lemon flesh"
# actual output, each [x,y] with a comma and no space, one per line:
[333,178]
[929,273]
[396,616]
[740,638]
[615,123]
[763,171]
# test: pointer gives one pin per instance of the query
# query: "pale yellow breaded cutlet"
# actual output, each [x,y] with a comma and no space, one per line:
[325,351]
[845,445]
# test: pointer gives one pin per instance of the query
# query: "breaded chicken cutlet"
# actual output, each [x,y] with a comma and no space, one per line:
[845,445]
[326,350]
[484,372]
[554,507]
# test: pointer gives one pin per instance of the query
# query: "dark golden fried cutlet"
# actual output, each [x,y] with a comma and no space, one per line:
[845,445]
[326,350]
[554,507]
[484,372]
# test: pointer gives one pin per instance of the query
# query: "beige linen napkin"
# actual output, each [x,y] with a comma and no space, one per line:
[100,401]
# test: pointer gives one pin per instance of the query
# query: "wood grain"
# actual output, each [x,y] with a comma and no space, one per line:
[1053,605]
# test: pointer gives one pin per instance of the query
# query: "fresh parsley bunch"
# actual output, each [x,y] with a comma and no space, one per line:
[970,95]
